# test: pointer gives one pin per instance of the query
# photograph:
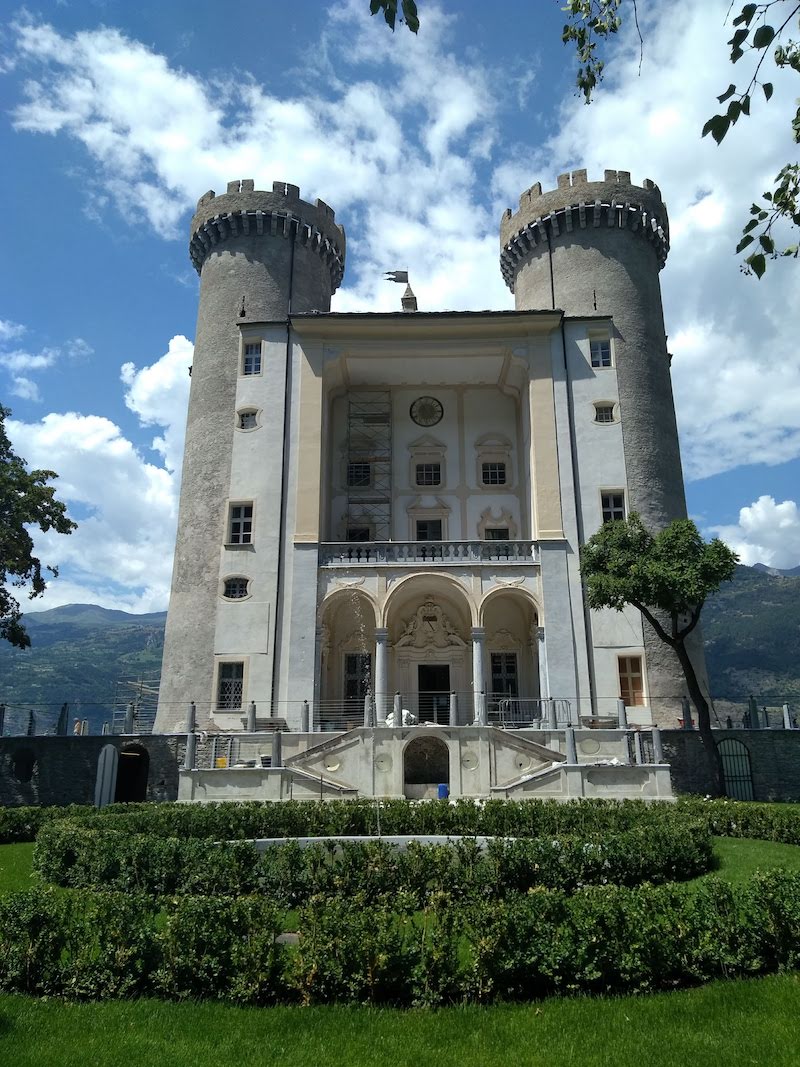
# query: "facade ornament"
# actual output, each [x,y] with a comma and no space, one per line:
[429,627]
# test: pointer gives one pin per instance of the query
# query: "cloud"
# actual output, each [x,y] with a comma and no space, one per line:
[121,554]
[9,331]
[159,395]
[766,533]
[25,389]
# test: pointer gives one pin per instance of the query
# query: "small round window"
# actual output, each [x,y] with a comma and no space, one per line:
[235,588]
[247,419]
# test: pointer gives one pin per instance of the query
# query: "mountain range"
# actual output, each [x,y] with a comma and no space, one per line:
[96,659]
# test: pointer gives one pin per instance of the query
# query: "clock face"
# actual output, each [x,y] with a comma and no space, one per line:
[426,411]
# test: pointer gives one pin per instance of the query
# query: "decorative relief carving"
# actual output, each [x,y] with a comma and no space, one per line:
[503,640]
[429,627]
[504,519]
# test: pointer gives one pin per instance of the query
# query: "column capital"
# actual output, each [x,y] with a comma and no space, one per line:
[478,633]
[381,633]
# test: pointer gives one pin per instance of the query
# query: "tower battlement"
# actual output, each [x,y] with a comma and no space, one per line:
[577,203]
[242,210]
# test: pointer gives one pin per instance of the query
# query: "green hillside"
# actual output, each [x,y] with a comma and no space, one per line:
[84,654]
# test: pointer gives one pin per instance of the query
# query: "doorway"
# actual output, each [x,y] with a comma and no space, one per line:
[132,770]
[433,699]
[426,766]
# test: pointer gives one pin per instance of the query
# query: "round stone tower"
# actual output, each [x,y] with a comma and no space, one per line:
[596,248]
[260,256]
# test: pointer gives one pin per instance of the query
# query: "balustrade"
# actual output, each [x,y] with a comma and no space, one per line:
[439,553]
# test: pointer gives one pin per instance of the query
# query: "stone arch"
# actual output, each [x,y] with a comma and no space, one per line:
[510,590]
[429,620]
[132,774]
[346,655]
[435,582]
[426,765]
[23,764]
[510,620]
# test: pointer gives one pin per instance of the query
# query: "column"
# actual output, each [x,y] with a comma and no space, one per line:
[381,670]
[478,683]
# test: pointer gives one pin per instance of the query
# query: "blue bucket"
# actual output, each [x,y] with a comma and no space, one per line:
[444,792]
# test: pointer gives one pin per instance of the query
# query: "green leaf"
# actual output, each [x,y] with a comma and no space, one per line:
[734,110]
[727,94]
[746,104]
[750,226]
[757,263]
[762,37]
[738,38]
[717,126]
[746,16]
[745,241]
[767,243]
[768,90]
[410,15]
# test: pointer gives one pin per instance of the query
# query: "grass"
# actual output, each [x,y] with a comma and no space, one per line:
[15,867]
[746,1022]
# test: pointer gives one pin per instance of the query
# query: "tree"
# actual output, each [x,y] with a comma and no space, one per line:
[25,500]
[591,22]
[668,577]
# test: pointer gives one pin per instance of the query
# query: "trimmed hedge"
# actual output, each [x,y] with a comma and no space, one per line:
[80,856]
[23,824]
[601,940]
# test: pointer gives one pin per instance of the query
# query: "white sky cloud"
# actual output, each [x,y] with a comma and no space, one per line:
[766,533]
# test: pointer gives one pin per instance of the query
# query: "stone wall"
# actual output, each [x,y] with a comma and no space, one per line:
[774,760]
[65,768]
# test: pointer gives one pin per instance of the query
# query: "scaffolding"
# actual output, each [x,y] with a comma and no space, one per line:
[369,467]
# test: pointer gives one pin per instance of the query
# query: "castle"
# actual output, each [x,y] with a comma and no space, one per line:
[381,513]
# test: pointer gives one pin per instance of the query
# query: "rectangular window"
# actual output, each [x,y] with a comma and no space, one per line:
[631,681]
[252,358]
[429,529]
[493,473]
[359,475]
[358,533]
[240,530]
[601,353]
[230,684]
[613,505]
[505,681]
[604,413]
[429,473]
[247,420]
[496,533]
[357,676]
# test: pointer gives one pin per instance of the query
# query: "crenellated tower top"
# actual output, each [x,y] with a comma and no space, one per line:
[578,204]
[244,210]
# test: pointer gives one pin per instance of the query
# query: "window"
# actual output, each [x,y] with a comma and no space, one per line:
[252,358]
[496,533]
[359,533]
[230,685]
[600,353]
[493,473]
[613,505]
[504,674]
[248,420]
[429,474]
[357,677]
[429,529]
[604,413]
[359,474]
[240,530]
[235,588]
[631,681]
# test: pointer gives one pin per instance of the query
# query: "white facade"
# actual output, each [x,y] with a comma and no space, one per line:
[458,586]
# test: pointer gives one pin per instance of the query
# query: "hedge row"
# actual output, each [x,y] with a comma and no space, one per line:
[499,818]
[601,940]
[492,818]
[83,857]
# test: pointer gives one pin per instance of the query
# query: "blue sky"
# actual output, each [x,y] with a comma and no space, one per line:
[116,117]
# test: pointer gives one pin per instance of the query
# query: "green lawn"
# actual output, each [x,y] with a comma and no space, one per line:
[747,1022]
[15,867]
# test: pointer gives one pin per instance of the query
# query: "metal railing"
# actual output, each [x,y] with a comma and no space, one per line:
[515,713]
[441,553]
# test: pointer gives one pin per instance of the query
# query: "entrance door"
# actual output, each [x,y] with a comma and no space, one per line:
[434,692]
